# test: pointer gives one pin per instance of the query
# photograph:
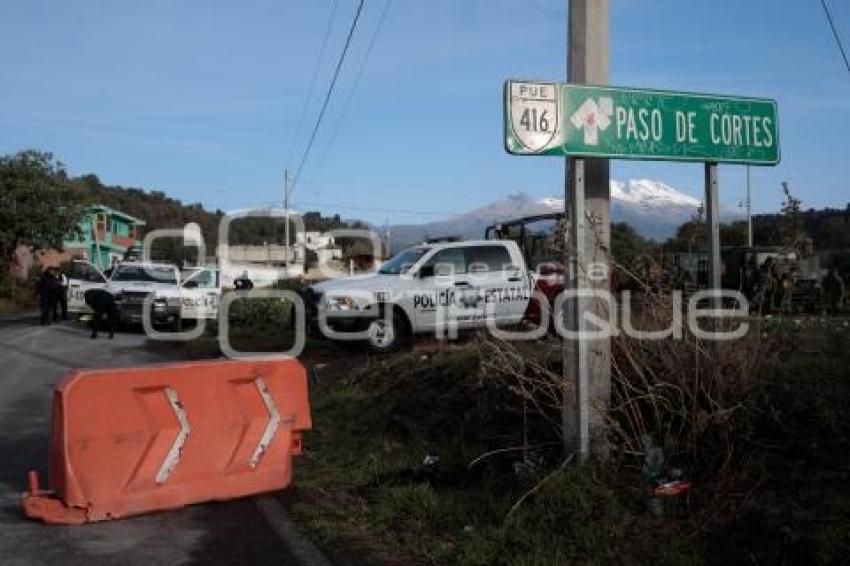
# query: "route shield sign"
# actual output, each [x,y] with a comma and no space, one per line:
[547,118]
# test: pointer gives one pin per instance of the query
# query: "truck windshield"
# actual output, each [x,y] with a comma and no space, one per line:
[146,273]
[203,278]
[403,261]
[83,271]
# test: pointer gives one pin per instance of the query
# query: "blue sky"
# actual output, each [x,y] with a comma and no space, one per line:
[202,100]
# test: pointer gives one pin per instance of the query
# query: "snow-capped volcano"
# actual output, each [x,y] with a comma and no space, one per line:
[653,208]
[645,192]
[640,193]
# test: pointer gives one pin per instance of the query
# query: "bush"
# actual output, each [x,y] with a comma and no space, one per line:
[696,400]
[264,313]
[476,502]
[18,294]
[759,425]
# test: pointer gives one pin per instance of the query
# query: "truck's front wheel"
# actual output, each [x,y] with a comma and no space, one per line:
[387,334]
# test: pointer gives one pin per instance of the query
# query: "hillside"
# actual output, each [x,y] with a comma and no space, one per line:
[159,210]
[652,208]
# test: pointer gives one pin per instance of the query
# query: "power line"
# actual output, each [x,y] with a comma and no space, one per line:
[313,81]
[354,86]
[255,204]
[835,34]
[303,203]
[328,95]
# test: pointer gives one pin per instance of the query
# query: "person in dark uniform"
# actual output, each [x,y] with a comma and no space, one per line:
[48,289]
[833,291]
[243,282]
[102,303]
[62,296]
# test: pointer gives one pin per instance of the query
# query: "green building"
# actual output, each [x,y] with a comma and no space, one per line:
[104,235]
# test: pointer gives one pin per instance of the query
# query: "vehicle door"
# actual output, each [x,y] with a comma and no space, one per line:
[443,296]
[82,276]
[200,294]
[501,283]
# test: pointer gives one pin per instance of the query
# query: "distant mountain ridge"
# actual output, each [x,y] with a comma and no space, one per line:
[653,208]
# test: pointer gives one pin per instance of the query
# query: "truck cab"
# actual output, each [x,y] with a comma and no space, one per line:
[132,283]
[426,288]
[82,276]
[200,293]
[188,294]
[540,239]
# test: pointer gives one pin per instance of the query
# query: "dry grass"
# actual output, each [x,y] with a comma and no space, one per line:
[694,399]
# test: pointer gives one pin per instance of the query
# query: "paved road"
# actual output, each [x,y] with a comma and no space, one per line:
[32,360]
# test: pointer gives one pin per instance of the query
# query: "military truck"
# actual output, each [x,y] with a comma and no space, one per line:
[540,238]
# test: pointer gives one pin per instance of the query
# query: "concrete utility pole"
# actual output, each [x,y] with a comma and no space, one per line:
[587,364]
[286,217]
[387,235]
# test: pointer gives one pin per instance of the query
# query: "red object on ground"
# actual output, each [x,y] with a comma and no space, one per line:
[672,489]
[549,282]
[135,440]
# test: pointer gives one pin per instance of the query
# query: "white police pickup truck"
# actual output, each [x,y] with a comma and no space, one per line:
[426,288]
[82,276]
[132,283]
[201,293]
[191,294]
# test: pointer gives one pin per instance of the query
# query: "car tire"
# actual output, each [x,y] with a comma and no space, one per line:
[387,336]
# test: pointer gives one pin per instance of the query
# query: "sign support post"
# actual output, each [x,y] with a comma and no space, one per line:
[712,217]
[749,212]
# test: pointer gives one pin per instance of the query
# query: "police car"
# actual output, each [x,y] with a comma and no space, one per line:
[427,288]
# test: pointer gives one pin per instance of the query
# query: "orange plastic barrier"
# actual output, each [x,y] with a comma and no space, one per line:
[133,440]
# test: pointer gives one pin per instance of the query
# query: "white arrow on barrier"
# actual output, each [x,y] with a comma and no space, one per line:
[173,457]
[271,427]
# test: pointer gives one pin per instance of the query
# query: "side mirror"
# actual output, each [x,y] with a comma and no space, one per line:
[426,270]
[191,284]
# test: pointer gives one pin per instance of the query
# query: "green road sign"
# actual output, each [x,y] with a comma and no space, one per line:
[565,119]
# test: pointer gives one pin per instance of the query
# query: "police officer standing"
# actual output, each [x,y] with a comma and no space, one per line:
[48,288]
[243,282]
[833,291]
[62,295]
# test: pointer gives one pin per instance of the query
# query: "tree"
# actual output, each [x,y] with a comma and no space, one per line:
[734,234]
[790,228]
[627,245]
[38,204]
[834,233]
[690,236]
